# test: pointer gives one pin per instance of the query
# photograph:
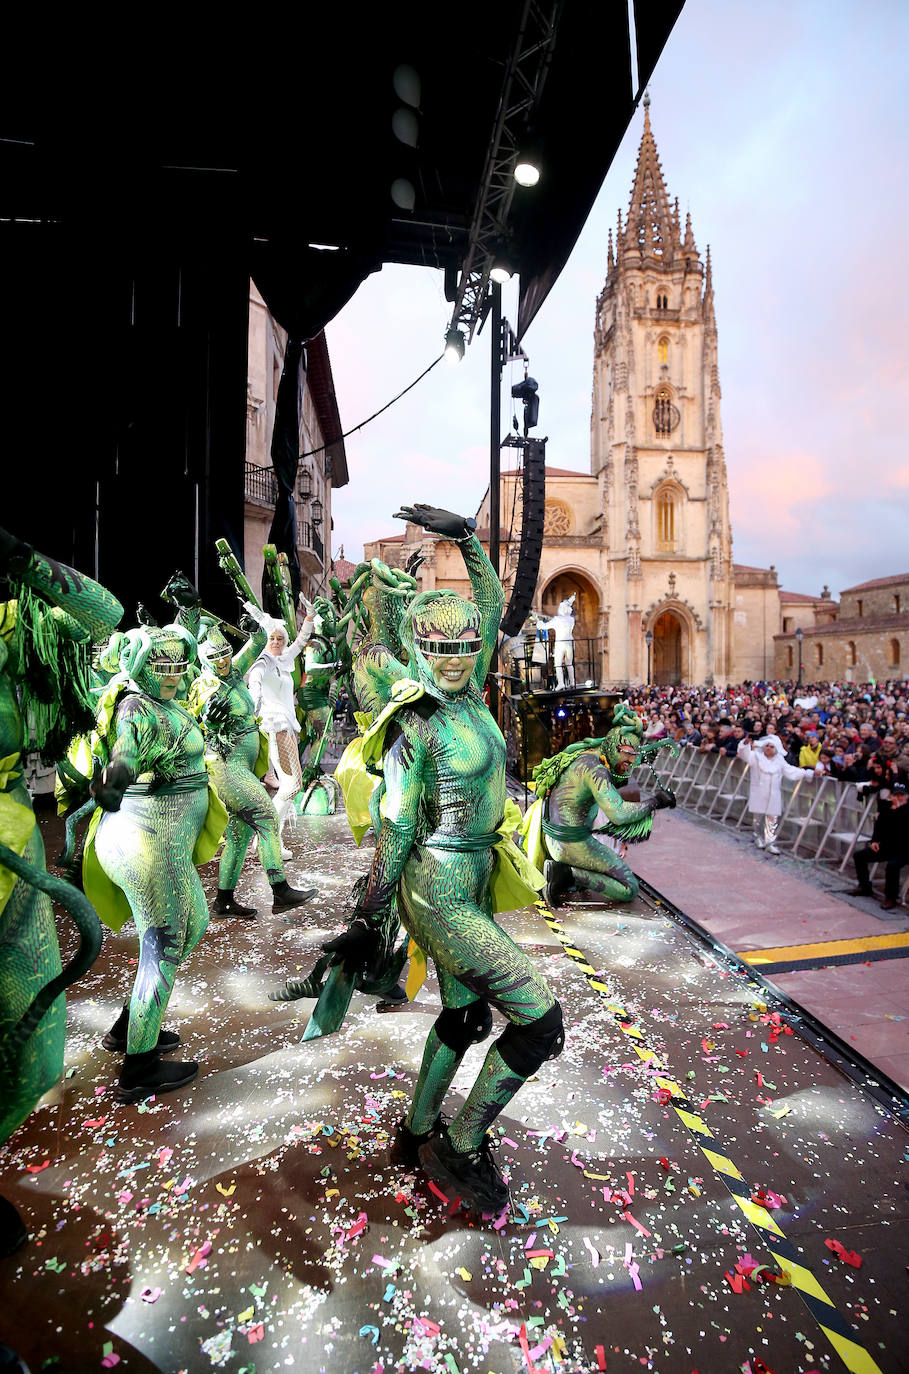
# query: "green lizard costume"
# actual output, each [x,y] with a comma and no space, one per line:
[45,633]
[558,831]
[158,819]
[236,758]
[439,843]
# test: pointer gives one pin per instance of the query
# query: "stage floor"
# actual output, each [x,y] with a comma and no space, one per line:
[252,1222]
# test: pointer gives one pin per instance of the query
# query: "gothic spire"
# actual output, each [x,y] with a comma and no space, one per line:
[650,230]
[610,259]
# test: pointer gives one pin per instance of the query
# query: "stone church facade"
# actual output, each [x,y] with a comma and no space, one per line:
[643,539]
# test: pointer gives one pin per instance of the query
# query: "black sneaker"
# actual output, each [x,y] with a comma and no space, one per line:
[167,1042]
[558,880]
[472,1174]
[404,1150]
[144,1074]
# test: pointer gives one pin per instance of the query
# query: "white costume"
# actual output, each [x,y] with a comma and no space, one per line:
[563,624]
[271,686]
[765,793]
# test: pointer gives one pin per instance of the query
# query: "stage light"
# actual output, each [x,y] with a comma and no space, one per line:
[527,165]
[503,268]
[454,346]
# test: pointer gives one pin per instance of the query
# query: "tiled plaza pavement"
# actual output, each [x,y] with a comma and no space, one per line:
[251,1221]
[753,901]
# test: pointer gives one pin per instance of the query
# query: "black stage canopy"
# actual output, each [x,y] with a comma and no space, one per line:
[146,175]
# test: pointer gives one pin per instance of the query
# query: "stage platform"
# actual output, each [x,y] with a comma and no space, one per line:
[695,1187]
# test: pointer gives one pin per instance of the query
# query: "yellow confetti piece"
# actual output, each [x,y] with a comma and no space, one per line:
[171,1182]
[226,1192]
[465,1274]
[553,1226]
[540,1262]
[332,1192]
[246,1316]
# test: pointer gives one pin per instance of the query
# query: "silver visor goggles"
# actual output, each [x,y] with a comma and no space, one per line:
[448,648]
[160,667]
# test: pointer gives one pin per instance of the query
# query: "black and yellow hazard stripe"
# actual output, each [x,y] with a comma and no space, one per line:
[828,953]
[837,1330]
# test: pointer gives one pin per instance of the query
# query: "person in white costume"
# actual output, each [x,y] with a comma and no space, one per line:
[767,766]
[271,685]
[563,624]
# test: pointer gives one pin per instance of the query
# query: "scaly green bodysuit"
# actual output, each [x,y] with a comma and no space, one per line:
[445,796]
[146,847]
[232,754]
[29,951]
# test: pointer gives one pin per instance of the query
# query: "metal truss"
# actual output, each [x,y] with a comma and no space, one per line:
[522,86]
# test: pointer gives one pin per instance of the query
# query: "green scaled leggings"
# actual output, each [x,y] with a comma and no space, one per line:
[251,811]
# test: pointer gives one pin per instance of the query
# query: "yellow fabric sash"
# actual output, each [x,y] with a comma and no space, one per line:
[16,824]
[107,898]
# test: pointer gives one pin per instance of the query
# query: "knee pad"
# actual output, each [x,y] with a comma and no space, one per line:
[458,1027]
[525,1048]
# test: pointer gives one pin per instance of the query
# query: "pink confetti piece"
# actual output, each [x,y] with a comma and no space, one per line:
[630,1176]
[383,1263]
[163,1156]
[497,1225]
[256,1333]
[576,1160]
[359,1226]
[528,1244]
[151,1294]
[594,1253]
[430,1328]
[92,1125]
[110,1360]
[507,1140]
[634,1274]
[199,1257]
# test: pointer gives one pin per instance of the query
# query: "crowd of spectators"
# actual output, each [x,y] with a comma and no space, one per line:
[857,732]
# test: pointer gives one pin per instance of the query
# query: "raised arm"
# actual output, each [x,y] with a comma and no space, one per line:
[487,589]
[92,606]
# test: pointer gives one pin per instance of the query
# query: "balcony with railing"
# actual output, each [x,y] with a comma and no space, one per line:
[259,485]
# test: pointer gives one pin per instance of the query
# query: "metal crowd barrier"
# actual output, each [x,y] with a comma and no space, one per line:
[822,822]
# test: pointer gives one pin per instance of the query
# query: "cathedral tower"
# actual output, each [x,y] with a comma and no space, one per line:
[657,447]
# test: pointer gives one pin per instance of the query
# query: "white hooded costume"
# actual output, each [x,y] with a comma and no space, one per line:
[765,793]
[271,686]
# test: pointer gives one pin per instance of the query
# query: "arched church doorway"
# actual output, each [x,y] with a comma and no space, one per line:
[668,647]
[587,648]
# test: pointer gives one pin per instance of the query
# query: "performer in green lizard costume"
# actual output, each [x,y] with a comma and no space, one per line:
[157,820]
[444,844]
[45,631]
[221,701]
[571,787]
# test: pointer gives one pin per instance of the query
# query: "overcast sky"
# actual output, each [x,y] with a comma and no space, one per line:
[782,127]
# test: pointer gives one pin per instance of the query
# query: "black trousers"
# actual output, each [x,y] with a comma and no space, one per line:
[862,858]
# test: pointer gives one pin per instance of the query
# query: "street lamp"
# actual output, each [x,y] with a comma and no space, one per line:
[799,635]
[648,640]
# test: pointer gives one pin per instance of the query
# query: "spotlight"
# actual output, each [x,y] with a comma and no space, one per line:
[561,713]
[454,345]
[527,164]
[502,269]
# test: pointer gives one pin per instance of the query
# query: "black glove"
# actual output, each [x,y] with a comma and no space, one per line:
[144,616]
[443,522]
[357,948]
[14,555]
[181,592]
[248,625]
[663,798]
[107,787]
